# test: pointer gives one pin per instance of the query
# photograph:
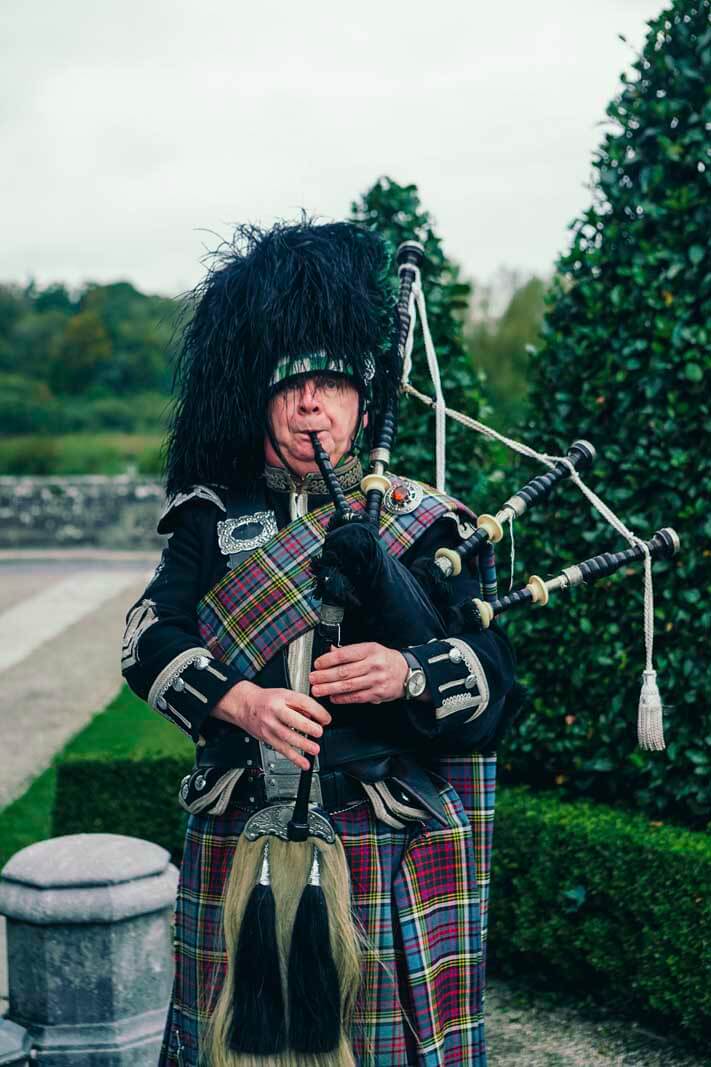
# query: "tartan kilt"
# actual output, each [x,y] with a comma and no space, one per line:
[421,896]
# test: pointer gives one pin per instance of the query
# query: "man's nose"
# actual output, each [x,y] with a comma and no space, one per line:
[309,398]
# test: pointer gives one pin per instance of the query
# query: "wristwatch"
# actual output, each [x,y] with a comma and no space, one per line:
[415,679]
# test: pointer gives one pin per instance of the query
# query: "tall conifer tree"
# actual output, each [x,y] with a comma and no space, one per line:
[396,212]
[625,362]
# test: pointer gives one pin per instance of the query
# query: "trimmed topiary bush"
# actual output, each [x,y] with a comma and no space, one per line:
[610,904]
[625,362]
[136,796]
[395,212]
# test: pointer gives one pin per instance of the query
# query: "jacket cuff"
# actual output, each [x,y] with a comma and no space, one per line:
[456,681]
[188,687]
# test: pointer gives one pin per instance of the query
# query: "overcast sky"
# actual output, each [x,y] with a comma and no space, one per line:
[131,128]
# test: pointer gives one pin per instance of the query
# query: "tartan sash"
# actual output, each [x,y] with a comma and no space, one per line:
[268,599]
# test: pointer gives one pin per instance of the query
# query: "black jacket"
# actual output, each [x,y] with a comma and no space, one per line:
[163,653]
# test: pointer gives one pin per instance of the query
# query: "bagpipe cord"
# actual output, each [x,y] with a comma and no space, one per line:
[650,730]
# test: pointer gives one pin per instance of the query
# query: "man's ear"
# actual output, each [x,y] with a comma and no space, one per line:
[365,419]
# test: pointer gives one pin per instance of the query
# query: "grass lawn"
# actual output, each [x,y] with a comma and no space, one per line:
[127,727]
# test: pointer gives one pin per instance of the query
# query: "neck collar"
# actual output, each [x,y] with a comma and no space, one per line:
[348,472]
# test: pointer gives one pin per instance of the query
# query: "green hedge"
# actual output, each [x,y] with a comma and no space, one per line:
[133,796]
[602,900]
[607,903]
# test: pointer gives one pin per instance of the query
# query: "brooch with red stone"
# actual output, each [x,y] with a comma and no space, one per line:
[402,497]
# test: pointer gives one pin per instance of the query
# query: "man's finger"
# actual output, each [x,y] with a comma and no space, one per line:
[302,702]
[295,721]
[339,673]
[346,654]
[294,740]
[346,685]
[291,754]
[363,696]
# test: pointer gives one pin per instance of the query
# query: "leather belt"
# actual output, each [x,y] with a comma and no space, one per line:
[232,747]
[338,790]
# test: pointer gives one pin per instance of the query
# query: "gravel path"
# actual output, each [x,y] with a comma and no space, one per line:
[525,1029]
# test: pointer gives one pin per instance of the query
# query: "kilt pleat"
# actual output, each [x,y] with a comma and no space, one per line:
[416,893]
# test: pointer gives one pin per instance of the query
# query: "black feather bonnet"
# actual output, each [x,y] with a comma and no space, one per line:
[272,299]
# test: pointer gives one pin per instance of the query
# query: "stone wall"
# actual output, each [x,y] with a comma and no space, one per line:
[87,511]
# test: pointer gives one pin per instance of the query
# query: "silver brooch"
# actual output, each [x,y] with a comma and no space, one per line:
[226,532]
[403,497]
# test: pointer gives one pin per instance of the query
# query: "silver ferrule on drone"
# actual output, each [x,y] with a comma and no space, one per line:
[569,577]
[512,509]
[445,565]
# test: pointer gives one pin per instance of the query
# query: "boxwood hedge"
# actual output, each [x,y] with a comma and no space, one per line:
[600,899]
[136,796]
[606,902]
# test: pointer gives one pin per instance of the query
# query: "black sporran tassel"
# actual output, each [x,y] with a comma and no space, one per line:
[258,1020]
[314,985]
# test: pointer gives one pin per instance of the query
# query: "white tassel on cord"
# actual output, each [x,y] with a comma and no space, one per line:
[650,726]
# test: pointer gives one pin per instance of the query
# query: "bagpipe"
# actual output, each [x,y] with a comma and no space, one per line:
[292,943]
[477,614]
[370,578]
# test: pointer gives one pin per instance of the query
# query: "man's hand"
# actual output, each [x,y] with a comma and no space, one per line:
[273,715]
[367,673]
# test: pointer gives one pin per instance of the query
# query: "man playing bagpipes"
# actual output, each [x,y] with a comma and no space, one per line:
[332,898]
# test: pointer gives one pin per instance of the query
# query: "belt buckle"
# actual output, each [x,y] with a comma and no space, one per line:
[281,779]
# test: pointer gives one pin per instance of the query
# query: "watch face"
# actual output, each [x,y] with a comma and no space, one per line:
[416,683]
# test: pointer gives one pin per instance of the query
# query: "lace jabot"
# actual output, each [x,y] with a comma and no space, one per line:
[349,473]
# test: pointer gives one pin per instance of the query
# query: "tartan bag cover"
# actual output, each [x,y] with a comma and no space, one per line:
[268,600]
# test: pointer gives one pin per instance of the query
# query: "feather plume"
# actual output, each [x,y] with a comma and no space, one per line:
[290,291]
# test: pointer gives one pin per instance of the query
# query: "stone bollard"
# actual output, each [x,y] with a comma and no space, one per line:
[15,1045]
[90,948]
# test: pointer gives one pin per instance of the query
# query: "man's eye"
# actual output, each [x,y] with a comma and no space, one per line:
[330,383]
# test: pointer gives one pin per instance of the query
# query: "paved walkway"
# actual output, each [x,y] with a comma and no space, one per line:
[60,640]
[61,620]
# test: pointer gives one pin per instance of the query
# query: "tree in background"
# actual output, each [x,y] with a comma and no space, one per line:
[13,306]
[499,345]
[84,351]
[395,211]
[97,360]
[625,362]
[141,331]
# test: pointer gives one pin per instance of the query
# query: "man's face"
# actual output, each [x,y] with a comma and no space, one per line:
[324,402]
